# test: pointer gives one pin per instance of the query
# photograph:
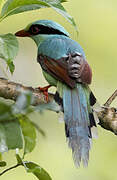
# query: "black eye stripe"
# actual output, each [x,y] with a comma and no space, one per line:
[34,29]
[40,29]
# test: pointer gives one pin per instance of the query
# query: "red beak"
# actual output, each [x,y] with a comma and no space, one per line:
[22,33]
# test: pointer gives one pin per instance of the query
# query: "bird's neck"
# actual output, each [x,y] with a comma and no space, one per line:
[40,38]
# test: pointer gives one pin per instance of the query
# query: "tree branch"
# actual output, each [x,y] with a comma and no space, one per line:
[13,167]
[107,115]
[110,100]
[11,90]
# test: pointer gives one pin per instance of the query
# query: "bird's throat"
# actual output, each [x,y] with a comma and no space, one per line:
[40,38]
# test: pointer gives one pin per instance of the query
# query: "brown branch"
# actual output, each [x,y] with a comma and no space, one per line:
[11,90]
[107,115]
[109,101]
[108,119]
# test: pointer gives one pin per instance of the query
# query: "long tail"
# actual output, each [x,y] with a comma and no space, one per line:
[78,119]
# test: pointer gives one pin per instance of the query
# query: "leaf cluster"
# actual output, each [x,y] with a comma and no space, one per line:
[8,42]
[17,131]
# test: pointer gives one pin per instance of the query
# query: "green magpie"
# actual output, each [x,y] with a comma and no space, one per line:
[64,66]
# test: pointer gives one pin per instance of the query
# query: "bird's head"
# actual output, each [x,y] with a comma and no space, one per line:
[41,29]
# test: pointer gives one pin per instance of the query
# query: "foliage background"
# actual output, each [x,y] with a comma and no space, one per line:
[97,25]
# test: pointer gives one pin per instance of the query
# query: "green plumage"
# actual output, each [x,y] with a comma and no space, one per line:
[54,48]
[75,101]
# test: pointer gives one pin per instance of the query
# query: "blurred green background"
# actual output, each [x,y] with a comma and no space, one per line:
[97,24]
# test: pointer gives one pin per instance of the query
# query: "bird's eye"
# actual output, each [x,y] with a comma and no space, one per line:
[34,30]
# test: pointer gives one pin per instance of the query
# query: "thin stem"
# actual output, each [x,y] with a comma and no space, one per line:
[2,18]
[6,170]
[110,100]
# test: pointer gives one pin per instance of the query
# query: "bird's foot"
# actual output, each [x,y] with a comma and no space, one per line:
[45,91]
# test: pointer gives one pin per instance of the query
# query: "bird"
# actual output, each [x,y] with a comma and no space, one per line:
[64,66]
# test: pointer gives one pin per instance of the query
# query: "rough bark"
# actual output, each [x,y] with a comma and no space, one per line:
[11,90]
[107,116]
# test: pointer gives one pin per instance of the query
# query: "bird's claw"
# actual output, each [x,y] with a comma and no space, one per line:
[45,91]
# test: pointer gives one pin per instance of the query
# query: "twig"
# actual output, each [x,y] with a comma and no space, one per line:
[108,119]
[13,167]
[11,90]
[107,115]
[109,101]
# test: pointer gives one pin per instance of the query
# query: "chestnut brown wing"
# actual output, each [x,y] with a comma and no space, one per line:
[70,70]
[57,68]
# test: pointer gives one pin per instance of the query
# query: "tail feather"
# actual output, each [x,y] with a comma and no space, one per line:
[79,120]
[76,118]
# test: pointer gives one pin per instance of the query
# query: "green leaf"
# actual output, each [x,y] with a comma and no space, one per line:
[10,130]
[5,112]
[8,49]
[52,106]
[22,105]
[63,1]
[39,129]
[61,10]
[13,134]
[19,160]
[29,134]
[1,4]
[39,172]
[11,65]
[10,136]
[3,163]
[0,156]
[17,6]
[3,144]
